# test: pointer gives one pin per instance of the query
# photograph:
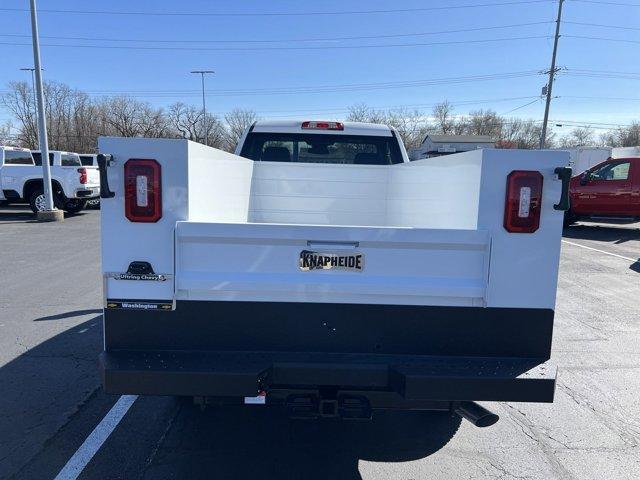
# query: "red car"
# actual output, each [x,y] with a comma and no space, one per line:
[608,191]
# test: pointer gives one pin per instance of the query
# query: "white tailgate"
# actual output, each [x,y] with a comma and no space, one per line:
[260,262]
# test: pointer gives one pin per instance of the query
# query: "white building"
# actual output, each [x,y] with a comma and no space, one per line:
[436,145]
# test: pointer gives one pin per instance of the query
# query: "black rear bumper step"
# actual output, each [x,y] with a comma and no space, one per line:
[424,378]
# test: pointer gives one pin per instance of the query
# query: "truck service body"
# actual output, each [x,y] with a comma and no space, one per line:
[326,273]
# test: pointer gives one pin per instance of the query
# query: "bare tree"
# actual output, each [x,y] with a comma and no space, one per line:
[443,117]
[485,122]
[5,133]
[19,101]
[237,121]
[579,137]
[412,126]
[76,120]
[186,121]
[518,133]
[629,136]
[361,112]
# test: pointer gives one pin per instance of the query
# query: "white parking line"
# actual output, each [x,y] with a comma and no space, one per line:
[601,251]
[94,441]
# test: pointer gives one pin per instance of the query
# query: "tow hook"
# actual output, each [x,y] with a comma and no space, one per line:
[312,406]
[475,413]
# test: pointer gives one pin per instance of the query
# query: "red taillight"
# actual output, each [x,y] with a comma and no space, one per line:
[323,125]
[83,175]
[142,190]
[524,201]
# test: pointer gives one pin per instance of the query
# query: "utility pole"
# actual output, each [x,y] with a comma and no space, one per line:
[50,213]
[552,73]
[204,105]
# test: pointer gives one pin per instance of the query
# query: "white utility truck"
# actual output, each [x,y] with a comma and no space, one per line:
[321,271]
[21,179]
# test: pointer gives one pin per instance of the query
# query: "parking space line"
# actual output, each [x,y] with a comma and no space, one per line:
[94,441]
[601,251]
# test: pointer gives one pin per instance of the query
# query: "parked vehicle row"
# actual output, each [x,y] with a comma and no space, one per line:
[21,179]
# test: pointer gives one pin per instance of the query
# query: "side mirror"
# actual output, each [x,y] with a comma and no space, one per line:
[586,176]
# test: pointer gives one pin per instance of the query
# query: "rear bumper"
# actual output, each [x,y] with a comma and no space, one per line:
[407,379]
[89,192]
[398,356]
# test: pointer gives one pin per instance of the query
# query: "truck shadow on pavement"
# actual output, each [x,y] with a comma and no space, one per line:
[615,234]
[75,313]
[262,442]
[16,214]
[42,388]
[51,400]
[23,214]
[611,234]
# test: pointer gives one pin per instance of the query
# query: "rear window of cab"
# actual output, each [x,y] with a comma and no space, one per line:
[321,148]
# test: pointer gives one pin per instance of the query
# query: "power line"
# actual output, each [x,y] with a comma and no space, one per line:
[586,70]
[323,47]
[602,74]
[389,107]
[521,106]
[600,25]
[325,39]
[320,89]
[606,39]
[280,14]
[625,99]
[600,2]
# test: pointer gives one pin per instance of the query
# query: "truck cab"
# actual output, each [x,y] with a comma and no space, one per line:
[607,191]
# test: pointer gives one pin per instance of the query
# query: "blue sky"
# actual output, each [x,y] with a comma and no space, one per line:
[162,76]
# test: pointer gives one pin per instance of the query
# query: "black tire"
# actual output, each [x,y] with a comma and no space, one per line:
[35,202]
[39,192]
[74,205]
[569,218]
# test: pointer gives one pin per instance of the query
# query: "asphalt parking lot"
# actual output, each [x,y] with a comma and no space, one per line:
[51,400]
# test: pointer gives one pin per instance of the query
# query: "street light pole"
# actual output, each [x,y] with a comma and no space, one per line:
[204,105]
[50,213]
[33,89]
[552,74]
[33,79]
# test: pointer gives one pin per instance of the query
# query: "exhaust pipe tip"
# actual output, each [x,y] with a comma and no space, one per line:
[476,414]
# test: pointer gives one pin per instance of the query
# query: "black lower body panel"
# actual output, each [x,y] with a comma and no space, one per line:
[405,356]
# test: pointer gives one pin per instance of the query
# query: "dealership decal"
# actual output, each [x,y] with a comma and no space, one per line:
[326,261]
[150,277]
[139,305]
